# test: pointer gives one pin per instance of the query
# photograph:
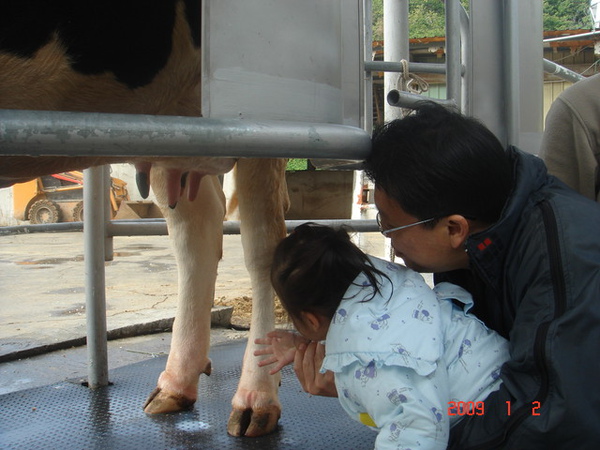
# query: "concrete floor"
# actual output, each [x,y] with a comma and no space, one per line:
[42,297]
[42,301]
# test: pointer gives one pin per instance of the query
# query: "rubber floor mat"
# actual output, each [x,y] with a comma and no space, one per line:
[68,415]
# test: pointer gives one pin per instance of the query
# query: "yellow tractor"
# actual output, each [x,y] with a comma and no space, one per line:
[59,198]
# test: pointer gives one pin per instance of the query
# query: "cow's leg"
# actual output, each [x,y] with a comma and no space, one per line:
[196,230]
[262,197]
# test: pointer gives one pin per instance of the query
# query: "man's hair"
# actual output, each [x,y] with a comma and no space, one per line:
[313,268]
[436,162]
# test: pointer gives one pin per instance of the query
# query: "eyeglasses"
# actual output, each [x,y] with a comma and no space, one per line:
[386,233]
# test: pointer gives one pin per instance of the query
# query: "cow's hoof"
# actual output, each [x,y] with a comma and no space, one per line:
[253,423]
[162,402]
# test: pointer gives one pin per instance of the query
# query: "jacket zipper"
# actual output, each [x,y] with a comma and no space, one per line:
[560,302]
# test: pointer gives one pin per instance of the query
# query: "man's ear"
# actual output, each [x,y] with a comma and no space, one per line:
[311,320]
[458,230]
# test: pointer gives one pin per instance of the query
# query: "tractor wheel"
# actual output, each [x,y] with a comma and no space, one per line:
[44,211]
[78,212]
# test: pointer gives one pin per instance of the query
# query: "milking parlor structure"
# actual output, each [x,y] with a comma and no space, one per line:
[303,80]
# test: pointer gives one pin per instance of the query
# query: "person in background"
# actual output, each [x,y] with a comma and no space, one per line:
[571,140]
[527,247]
[407,360]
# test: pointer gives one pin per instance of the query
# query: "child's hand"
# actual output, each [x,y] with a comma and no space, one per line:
[281,345]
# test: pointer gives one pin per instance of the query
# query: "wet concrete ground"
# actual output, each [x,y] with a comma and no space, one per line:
[42,302]
[42,297]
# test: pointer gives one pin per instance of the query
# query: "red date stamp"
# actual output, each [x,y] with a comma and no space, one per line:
[478,408]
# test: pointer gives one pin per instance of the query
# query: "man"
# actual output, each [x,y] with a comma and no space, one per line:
[525,245]
[571,141]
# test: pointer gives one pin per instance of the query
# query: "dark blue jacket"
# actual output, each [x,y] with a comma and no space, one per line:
[535,276]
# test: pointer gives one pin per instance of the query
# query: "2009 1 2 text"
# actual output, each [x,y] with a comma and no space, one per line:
[478,408]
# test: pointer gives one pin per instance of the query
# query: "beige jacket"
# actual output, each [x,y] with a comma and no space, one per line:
[571,141]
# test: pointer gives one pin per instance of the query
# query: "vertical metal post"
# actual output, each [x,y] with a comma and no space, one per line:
[453,52]
[512,77]
[467,64]
[367,91]
[507,89]
[396,47]
[106,188]
[93,235]
[525,24]
[488,81]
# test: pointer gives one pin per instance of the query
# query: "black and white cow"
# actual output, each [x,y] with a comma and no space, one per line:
[143,57]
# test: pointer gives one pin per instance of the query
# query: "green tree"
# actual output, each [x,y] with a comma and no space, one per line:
[426,17]
[377,16]
[567,15]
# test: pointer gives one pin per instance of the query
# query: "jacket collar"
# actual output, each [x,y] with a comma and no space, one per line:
[487,249]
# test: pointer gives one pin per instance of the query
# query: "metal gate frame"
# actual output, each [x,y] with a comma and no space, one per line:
[511,108]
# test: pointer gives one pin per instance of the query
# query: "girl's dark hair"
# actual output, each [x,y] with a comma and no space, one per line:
[436,162]
[314,266]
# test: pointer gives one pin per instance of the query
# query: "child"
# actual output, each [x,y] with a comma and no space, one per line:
[407,360]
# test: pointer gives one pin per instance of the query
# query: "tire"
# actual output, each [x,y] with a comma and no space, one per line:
[78,212]
[44,211]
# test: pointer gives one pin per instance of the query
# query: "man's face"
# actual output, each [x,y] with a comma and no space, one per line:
[423,249]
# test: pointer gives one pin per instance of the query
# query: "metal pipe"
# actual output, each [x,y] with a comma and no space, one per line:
[396,48]
[359,226]
[367,79]
[137,227]
[562,72]
[453,52]
[158,227]
[487,38]
[42,228]
[108,240]
[513,67]
[57,133]
[390,66]
[95,300]
[407,100]
[467,63]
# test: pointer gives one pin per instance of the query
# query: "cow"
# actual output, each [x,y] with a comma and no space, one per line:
[143,57]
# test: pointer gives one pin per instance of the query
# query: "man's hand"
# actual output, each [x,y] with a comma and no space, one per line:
[307,363]
[281,346]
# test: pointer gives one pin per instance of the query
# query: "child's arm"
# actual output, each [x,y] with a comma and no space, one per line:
[281,345]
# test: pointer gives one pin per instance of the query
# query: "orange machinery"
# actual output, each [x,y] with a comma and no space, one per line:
[59,198]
